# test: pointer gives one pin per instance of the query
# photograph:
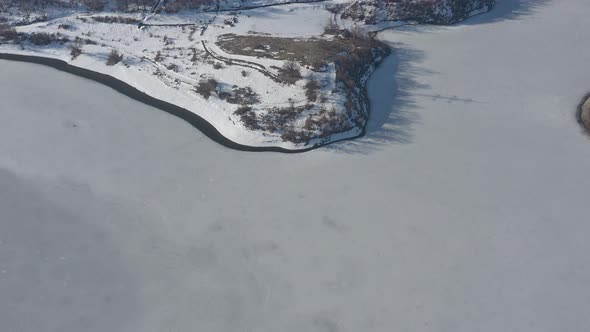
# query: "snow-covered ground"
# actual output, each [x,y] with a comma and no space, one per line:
[174,57]
[464,209]
[169,62]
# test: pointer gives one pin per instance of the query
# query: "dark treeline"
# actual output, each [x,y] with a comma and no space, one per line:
[98,5]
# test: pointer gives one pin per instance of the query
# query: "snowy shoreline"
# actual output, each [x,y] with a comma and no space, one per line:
[272,114]
[192,118]
[254,106]
[462,208]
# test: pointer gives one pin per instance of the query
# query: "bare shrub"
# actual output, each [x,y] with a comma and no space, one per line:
[291,72]
[291,66]
[115,19]
[167,40]
[242,110]
[76,48]
[241,96]
[207,87]
[114,58]
[194,57]
[248,117]
[43,38]
[281,117]
[295,136]
[7,33]
[172,67]
[192,33]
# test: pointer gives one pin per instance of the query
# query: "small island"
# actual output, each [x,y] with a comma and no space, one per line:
[255,75]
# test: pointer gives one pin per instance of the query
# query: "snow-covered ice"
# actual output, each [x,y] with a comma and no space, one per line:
[464,209]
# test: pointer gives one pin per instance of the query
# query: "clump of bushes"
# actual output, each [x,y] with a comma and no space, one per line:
[172,67]
[207,87]
[7,33]
[290,72]
[325,125]
[192,33]
[279,118]
[243,110]
[114,58]
[42,38]
[158,57]
[241,96]
[115,19]
[76,48]
[194,56]
[248,117]
[295,136]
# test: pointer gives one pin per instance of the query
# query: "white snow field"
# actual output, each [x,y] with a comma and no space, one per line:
[464,209]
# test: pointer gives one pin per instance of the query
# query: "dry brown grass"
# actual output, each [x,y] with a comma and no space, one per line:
[312,52]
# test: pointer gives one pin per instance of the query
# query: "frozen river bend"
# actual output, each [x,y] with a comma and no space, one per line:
[464,209]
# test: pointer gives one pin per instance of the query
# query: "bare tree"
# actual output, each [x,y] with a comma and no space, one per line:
[76,48]
[114,58]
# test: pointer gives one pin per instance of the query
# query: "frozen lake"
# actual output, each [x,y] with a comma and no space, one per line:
[464,209]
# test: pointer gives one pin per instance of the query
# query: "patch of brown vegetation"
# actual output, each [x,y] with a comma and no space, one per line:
[310,52]
[585,113]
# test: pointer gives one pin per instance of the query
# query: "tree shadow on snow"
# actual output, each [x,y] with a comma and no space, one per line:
[393,107]
[393,88]
[507,10]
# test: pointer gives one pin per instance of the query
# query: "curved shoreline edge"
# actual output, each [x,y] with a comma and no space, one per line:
[579,112]
[193,119]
